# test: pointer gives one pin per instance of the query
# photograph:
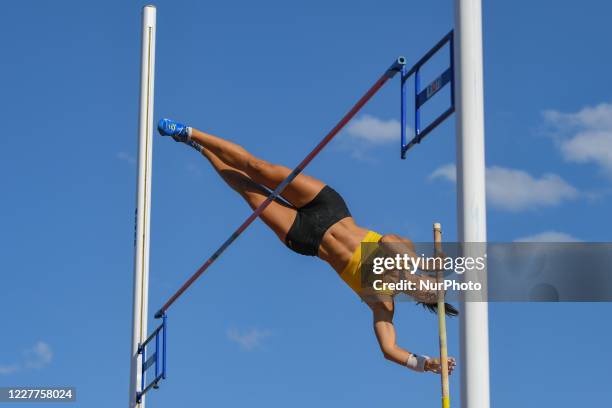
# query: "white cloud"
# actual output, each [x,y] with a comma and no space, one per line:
[447,172]
[590,146]
[250,339]
[597,117]
[36,357]
[374,130]
[9,369]
[584,136]
[126,157]
[548,236]
[516,190]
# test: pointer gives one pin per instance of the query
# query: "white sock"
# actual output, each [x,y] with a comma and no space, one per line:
[195,145]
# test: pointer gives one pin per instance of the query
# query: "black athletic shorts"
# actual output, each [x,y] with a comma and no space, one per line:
[314,219]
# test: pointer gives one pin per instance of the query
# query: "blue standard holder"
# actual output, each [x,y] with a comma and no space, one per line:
[422,96]
[157,360]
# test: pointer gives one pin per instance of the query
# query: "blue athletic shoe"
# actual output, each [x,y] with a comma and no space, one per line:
[178,131]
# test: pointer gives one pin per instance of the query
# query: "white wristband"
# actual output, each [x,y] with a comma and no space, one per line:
[416,362]
[188,132]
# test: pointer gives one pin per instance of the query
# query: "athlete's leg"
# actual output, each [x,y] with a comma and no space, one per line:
[299,192]
[278,216]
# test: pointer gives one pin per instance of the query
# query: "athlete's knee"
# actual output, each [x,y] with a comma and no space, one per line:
[258,166]
[236,180]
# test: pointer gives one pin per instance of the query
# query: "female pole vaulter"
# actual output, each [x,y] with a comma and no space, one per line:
[312,220]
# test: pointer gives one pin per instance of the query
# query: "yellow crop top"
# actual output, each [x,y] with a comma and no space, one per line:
[352,271]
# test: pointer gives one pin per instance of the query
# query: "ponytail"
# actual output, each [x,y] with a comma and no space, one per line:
[449,309]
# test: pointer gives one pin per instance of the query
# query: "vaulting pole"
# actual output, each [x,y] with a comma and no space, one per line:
[437,233]
[471,204]
[143,201]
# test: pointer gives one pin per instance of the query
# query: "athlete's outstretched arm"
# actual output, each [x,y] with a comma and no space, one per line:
[382,314]
[385,334]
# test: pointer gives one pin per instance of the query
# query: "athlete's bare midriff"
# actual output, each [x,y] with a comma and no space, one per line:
[340,241]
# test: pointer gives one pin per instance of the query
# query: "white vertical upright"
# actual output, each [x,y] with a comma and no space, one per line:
[471,203]
[143,200]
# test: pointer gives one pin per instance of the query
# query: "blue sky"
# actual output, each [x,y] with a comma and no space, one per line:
[275,76]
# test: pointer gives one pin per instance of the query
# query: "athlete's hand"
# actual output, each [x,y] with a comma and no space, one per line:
[433,365]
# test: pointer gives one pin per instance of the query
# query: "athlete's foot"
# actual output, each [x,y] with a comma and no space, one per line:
[178,131]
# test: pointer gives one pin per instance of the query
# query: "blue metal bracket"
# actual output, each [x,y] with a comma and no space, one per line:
[397,66]
[157,360]
[422,96]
